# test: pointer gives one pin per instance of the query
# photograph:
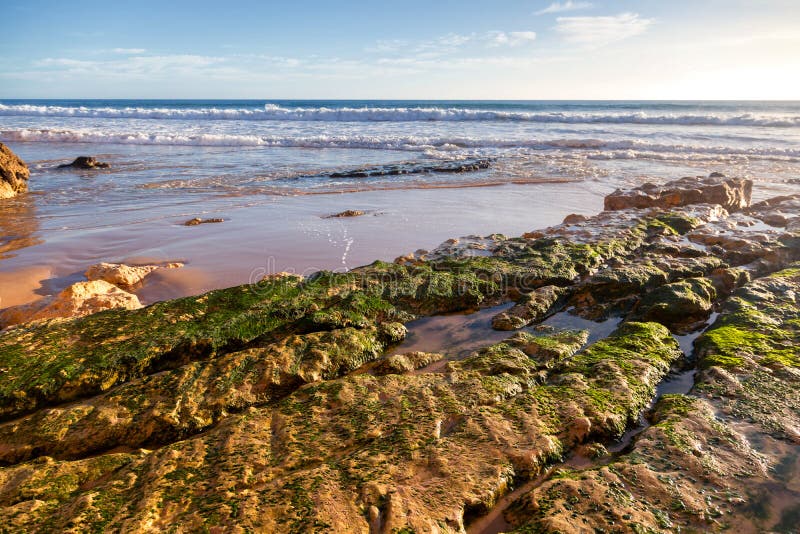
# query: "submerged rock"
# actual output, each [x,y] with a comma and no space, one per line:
[346,213]
[197,220]
[85,162]
[14,173]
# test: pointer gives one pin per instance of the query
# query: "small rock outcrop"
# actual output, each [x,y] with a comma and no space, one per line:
[85,162]
[14,173]
[197,220]
[346,213]
[733,194]
[82,298]
[123,275]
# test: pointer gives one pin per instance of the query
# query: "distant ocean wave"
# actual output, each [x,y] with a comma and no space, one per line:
[597,148]
[272,112]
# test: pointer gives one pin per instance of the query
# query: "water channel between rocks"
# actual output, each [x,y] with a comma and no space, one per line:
[458,335]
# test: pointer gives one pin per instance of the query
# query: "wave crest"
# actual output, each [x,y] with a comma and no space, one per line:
[594,148]
[273,112]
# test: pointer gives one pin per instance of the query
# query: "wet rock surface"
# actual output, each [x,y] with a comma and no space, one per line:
[275,407]
[197,221]
[14,173]
[346,213]
[86,163]
[456,166]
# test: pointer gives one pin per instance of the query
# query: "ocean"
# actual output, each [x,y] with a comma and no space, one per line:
[274,168]
[526,140]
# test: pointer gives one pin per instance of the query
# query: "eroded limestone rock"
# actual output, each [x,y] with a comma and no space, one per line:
[14,173]
[123,275]
[733,194]
[77,300]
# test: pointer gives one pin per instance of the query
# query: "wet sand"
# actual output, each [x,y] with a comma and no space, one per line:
[267,234]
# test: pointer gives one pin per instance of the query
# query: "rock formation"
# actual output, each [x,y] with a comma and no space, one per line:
[732,194]
[197,220]
[85,162]
[346,213]
[82,298]
[14,173]
[288,406]
[125,276]
[108,287]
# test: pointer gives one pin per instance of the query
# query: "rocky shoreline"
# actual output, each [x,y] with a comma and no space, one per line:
[275,407]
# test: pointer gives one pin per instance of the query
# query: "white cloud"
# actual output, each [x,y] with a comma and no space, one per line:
[452,43]
[509,38]
[129,50]
[558,7]
[600,31]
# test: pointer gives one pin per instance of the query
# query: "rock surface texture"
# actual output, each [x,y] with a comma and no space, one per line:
[123,275]
[14,173]
[290,405]
[731,193]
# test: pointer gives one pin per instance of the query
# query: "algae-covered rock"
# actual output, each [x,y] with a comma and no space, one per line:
[275,407]
[756,342]
[405,363]
[163,407]
[531,308]
[319,456]
[679,305]
[685,473]
[58,362]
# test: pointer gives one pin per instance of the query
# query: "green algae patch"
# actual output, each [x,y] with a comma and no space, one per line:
[679,303]
[782,358]
[680,223]
[723,346]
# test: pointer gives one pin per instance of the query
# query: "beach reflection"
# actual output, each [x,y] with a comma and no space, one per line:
[18,225]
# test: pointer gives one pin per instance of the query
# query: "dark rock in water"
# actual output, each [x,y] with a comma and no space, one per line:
[398,169]
[198,220]
[346,213]
[13,173]
[85,162]
[733,194]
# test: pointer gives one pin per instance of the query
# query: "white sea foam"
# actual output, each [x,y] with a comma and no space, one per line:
[272,112]
[593,148]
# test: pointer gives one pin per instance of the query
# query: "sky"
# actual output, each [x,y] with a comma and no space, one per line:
[412,49]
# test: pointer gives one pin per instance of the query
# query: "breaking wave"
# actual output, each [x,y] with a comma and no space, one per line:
[595,148]
[272,112]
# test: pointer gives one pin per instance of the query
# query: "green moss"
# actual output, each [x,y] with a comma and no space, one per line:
[724,346]
[677,222]
[785,358]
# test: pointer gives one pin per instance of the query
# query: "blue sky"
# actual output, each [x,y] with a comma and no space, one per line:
[534,49]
